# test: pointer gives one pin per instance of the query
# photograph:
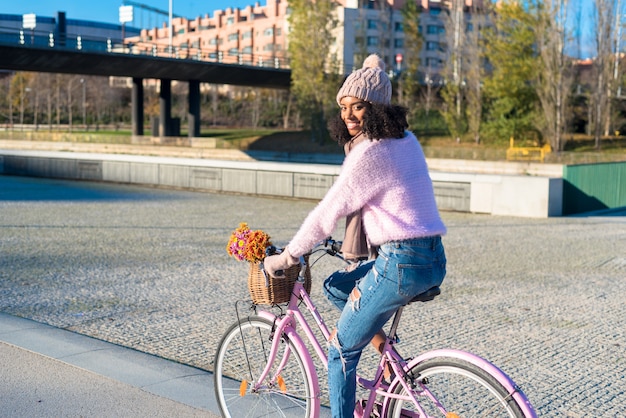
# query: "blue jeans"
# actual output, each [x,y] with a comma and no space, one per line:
[368,296]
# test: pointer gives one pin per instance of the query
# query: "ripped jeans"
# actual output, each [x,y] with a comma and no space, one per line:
[368,296]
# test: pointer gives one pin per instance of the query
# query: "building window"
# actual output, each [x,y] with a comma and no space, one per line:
[372,24]
[398,27]
[268,47]
[268,32]
[398,43]
[247,50]
[434,11]
[435,30]
[432,46]
[247,35]
[233,37]
[433,62]
[230,20]
[372,41]
[233,51]
[278,32]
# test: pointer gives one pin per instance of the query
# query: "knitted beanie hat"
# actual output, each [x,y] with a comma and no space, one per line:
[370,83]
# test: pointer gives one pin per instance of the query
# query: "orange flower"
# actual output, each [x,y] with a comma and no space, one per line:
[248,245]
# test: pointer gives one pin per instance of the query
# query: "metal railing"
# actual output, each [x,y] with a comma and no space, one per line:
[82,43]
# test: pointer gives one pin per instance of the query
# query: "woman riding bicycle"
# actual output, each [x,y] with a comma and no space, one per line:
[384,184]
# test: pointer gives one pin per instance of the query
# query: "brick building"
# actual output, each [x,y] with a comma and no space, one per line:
[258,34]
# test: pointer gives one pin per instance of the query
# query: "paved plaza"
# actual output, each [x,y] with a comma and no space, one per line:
[147,268]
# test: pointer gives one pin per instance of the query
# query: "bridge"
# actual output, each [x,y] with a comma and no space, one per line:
[89,56]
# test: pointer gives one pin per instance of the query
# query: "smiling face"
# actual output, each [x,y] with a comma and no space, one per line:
[352,112]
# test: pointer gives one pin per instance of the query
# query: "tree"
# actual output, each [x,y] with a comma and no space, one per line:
[413,42]
[510,97]
[429,94]
[604,12]
[554,76]
[473,63]
[20,92]
[312,81]
[452,92]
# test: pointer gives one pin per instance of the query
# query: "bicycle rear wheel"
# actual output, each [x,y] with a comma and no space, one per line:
[240,358]
[460,389]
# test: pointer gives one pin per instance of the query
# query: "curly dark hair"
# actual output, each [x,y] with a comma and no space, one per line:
[379,121]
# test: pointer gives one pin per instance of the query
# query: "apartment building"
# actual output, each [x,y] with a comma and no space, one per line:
[258,34]
[255,35]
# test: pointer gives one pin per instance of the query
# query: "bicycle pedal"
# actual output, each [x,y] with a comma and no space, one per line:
[359,409]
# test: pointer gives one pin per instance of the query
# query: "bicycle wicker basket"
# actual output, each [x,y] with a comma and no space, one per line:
[272,291]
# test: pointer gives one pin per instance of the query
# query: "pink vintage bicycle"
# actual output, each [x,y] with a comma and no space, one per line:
[264,368]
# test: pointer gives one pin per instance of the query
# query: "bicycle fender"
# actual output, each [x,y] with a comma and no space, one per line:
[486,365]
[267,315]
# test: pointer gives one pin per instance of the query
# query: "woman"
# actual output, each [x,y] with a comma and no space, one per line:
[385,182]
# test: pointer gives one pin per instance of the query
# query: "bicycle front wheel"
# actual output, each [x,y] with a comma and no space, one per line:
[458,389]
[240,359]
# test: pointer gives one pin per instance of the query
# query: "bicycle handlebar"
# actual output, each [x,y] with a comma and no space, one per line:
[329,245]
[333,246]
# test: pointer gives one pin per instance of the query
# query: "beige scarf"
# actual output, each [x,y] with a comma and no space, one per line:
[355,245]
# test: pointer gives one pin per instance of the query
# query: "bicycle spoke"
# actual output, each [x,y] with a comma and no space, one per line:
[453,388]
[243,355]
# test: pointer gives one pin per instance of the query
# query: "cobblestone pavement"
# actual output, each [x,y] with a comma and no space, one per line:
[147,268]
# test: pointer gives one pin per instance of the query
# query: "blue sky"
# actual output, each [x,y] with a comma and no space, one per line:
[108,10]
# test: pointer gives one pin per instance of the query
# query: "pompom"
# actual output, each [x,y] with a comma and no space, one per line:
[374,61]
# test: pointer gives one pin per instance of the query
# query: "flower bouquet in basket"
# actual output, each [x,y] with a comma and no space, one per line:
[251,245]
[247,245]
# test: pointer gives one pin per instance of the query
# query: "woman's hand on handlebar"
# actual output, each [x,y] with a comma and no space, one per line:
[275,265]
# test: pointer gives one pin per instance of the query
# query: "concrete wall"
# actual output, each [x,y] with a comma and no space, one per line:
[496,194]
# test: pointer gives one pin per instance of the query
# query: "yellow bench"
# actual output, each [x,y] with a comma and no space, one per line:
[514,153]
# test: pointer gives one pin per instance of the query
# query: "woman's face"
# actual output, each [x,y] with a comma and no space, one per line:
[352,111]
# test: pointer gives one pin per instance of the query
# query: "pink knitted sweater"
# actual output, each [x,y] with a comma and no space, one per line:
[389,181]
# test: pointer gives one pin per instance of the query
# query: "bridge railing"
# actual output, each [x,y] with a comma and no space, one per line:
[46,39]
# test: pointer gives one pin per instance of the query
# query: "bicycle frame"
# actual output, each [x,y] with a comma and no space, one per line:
[287,325]
[294,316]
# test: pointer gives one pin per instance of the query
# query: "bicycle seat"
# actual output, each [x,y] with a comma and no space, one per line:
[428,295]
